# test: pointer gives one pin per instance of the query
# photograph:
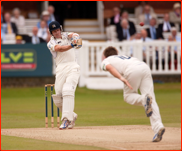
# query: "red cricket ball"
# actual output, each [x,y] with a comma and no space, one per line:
[141,24]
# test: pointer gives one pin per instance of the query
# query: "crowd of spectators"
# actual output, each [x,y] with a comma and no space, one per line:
[153,29]
[13,23]
[126,29]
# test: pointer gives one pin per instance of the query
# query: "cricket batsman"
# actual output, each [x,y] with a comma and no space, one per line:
[61,46]
[136,75]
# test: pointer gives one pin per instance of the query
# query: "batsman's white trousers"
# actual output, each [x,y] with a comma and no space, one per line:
[66,73]
[139,77]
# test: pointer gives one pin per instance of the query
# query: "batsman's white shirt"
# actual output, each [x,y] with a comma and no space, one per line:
[62,57]
[138,74]
[66,62]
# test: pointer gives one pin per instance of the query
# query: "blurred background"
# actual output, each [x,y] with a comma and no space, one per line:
[26,60]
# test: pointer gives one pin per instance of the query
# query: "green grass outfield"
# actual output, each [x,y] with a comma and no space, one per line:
[25,108]
[18,143]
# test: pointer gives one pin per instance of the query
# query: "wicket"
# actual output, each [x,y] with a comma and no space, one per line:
[52,108]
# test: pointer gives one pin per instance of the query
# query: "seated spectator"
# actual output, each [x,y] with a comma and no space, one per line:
[124,31]
[136,37]
[50,9]
[35,39]
[178,39]
[152,31]
[175,15]
[146,16]
[145,38]
[8,27]
[139,10]
[131,24]
[42,32]
[48,36]
[165,26]
[3,38]
[18,19]
[25,38]
[116,18]
[19,39]
[174,34]
[172,38]
[45,16]
[2,15]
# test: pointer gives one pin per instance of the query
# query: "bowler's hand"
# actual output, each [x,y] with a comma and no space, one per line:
[126,82]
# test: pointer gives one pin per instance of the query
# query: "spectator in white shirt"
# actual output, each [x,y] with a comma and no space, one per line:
[18,19]
[174,34]
[50,9]
[177,38]
[42,32]
[140,9]
[136,37]
[45,16]
[173,37]
[146,16]
[145,38]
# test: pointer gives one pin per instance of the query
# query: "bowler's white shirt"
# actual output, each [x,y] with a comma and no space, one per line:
[120,62]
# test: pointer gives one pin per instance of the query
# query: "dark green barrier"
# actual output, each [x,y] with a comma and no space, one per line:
[26,60]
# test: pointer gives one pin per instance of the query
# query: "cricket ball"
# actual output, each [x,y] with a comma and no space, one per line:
[141,24]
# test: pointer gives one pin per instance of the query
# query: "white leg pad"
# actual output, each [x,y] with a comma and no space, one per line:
[68,93]
[58,100]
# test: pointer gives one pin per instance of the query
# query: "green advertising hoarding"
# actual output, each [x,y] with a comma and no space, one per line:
[26,60]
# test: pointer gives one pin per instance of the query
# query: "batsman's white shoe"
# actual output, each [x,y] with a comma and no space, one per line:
[72,123]
[158,136]
[148,107]
[64,124]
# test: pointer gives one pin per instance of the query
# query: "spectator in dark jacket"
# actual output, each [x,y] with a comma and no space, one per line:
[165,26]
[34,39]
[2,15]
[124,31]
[152,31]
[116,18]
[8,27]
[131,24]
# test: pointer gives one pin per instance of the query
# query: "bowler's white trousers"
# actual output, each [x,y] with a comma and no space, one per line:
[139,77]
